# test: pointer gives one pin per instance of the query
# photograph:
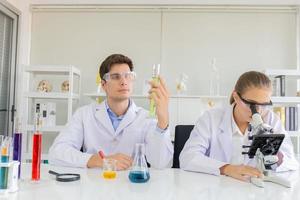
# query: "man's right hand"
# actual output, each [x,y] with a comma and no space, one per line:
[123,161]
[240,172]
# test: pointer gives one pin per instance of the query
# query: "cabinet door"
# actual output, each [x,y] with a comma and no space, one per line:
[8,28]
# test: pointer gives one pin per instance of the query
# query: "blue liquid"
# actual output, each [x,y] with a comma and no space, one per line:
[4,173]
[139,176]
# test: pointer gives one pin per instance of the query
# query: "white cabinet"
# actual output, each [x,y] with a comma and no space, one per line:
[64,101]
[290,98]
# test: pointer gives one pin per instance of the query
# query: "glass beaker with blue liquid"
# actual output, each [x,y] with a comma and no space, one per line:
[139,172]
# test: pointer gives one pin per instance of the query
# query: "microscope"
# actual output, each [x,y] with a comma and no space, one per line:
[263,148]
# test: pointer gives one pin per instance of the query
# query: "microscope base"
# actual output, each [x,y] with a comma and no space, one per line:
[278,180]
[259,182]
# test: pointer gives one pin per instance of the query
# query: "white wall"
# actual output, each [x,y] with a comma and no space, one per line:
[239,41]
[172,2]
[181,40]
[184,41]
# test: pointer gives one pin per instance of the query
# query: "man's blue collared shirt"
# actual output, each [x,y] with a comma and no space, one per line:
[115,120]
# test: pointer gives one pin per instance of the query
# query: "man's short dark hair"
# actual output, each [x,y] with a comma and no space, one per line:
[114,59]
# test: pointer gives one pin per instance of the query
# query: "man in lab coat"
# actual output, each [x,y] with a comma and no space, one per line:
[116,125]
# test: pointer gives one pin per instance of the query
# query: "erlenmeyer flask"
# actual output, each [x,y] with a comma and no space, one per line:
[139,172]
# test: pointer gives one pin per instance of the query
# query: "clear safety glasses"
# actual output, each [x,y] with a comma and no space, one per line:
[130,76]
[259,106]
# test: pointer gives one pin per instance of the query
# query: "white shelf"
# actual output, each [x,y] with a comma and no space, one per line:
[31,74]
[199,96]
[294,133]
[27,156]
[46,129]
[51,95]
[285,99]
[285,72]
[94,95]
[65,69]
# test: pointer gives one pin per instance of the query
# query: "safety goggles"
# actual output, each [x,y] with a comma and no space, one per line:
[259,106]
[130,76]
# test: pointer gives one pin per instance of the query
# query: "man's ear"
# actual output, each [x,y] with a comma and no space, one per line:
[103,83]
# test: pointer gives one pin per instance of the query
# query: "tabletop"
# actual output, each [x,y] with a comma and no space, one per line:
[163,184]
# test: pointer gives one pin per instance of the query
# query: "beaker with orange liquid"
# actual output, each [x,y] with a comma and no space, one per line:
[109,168]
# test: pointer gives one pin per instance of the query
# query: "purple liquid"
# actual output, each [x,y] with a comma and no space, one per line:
[17,149]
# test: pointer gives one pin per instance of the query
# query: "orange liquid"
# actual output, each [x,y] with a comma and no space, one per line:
[109,174]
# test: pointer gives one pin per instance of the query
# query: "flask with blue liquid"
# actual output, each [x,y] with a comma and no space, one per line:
[139,172]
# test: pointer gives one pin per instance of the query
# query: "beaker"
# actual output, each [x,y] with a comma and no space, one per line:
[109,168]
[139,172]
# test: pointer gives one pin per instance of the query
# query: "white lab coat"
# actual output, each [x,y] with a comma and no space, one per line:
[210,144]
[91,128]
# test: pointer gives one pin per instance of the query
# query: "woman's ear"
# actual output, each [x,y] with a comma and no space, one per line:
[235,96]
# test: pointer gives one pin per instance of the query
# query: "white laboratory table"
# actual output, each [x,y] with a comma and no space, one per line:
[164,184]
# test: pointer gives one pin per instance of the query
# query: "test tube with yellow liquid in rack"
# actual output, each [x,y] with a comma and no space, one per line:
[155,78]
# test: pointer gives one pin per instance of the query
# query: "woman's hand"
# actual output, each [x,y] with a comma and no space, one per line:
[240,172]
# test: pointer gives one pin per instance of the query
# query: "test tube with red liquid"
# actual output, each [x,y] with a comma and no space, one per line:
[36,150]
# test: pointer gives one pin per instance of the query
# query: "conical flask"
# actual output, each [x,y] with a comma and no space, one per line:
[139,172]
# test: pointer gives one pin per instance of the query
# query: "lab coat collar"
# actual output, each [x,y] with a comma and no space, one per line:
[225,136]
[235,128]
[129,117]
[102,116]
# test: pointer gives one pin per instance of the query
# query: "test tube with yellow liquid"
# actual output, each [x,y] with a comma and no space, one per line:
[155,78]
[109,169]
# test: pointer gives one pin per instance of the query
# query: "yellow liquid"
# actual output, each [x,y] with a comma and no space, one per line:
[152,109]
[109,174]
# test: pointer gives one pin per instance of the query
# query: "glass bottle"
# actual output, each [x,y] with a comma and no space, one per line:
[36,150]
[155,78]
[181,83]
[17,143]
[139,172]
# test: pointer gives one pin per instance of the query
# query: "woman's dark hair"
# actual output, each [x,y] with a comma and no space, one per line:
[114,59]
[249,80]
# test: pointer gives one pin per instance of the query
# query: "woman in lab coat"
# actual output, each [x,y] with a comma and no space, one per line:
[116,125]
[215,143]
